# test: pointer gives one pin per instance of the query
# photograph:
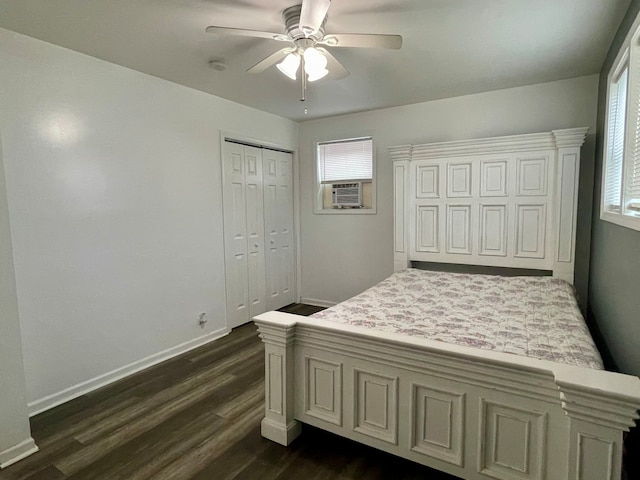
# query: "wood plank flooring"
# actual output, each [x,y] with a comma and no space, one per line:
[301,309]
[196,416]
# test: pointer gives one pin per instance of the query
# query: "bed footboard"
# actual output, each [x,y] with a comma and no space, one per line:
[467,412]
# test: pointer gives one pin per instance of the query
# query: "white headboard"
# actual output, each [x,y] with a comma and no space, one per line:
[501,201]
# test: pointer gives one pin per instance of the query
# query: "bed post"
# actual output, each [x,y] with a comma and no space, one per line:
[400,158]
[277,331]
[598,416]
[568,143]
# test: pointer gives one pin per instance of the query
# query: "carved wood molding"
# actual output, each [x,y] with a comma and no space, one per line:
[565,138]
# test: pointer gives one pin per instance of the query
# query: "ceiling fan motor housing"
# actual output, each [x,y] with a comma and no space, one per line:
[291,18]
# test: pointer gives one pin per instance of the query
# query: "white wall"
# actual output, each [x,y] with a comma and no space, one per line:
[113,183]
[345,254]
[15,435]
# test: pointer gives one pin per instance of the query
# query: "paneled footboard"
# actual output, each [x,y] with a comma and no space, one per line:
[468,412]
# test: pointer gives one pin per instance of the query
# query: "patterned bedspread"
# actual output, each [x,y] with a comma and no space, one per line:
[532,316]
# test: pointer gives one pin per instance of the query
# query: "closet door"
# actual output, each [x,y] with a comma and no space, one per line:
[255,232]
[243,233]
[278,211]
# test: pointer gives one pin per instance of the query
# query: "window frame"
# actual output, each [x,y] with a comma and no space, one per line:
[318,208]
[628,57]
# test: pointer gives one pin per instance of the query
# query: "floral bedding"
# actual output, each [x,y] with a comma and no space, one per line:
[532,316]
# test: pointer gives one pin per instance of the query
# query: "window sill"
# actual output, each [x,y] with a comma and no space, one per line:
[345,211]
[623,220]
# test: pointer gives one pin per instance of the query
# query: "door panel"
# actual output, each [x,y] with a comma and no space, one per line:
[255,231]
[235,234]
[278,209]
[270,205]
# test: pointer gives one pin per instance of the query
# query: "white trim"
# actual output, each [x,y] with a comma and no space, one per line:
[318,303]
[346,211]
[17,452]
[627,221]
[254,142]
[566,138]
[295,178]
[283,435]
[53,400]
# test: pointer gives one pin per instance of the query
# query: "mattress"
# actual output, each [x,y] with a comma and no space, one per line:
[536,317]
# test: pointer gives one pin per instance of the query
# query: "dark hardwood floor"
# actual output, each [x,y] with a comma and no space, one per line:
[196,416]
[301,309]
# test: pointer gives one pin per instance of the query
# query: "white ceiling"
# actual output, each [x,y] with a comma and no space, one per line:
[451,47]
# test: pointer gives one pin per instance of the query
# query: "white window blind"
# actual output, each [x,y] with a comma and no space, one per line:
[633,194]
[632,174]
[615,142]
[345,160]
[621,173]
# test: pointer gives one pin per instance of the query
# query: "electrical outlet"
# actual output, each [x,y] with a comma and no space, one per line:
[202,319]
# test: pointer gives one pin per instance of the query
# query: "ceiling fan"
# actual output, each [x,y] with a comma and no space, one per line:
[304,30]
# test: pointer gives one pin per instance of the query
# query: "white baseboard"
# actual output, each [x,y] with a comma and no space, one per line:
[17,452]
[50,401]
[317,303]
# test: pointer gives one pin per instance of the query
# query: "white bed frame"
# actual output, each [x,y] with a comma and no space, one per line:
[507,201]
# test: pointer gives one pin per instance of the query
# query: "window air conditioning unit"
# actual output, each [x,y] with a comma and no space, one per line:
[346,194]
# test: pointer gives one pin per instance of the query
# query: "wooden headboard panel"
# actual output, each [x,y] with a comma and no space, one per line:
[502,201]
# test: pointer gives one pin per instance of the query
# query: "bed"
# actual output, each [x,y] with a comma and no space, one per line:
[475,393]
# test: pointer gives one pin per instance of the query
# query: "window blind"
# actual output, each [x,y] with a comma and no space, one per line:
[615,142]
[621,173]
[633,196]
[345,160]
[632,173]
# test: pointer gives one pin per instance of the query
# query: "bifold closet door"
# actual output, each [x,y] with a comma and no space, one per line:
[243,233]
[278,219]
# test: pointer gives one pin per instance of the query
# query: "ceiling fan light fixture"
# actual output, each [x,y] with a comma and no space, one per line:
[289,66]
[314,60]
[305,33]
[315,64]
[317,75]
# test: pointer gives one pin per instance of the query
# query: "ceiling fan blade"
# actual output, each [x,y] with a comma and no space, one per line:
[336,69]
[312,15]
[362,40]
[272,59]
[242,32]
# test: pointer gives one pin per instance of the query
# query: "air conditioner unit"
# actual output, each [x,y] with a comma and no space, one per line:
[346,194]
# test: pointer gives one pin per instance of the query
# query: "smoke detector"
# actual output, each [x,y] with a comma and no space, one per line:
[218,64]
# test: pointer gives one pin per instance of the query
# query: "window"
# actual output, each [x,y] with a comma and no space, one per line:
[621,173]
[345,179]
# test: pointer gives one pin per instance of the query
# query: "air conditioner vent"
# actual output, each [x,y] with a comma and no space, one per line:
[347,195]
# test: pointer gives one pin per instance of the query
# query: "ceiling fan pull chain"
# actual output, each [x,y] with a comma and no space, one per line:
[303,80]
